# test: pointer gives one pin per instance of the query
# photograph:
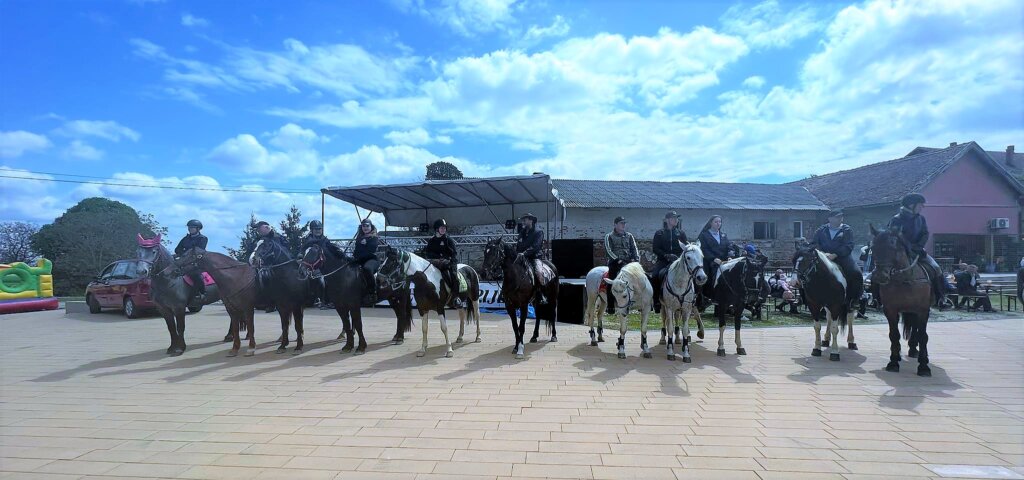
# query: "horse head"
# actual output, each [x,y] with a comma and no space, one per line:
[623,292]
[188,262]
[494,257]
[148,254]
[311,259]
[391,274]
[693,260]
[888,253]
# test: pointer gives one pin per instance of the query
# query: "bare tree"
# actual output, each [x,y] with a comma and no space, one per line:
[16,242]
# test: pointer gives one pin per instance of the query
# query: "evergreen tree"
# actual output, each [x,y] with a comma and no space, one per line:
[293,230]
[246,243]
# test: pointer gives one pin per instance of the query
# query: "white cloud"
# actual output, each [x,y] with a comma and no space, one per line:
[464,17]
[296,157]
[80,150]
[766,25]
[189,20]
[16,143]
[24,199]
[415,137]
[107,130]
[535,34]
[755,82]
[373,164]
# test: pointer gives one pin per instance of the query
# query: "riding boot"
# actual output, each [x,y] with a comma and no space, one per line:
[656,285]
[611,302]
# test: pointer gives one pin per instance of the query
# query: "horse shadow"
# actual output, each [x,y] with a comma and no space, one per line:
[614,368]
[816,368]
[321,359]
[213,362]
[908,391]
[496,359]
[122,361]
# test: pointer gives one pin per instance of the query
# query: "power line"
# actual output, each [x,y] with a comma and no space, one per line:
[163,187]
[109,179]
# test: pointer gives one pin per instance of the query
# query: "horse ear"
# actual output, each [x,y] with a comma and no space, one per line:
[608,281]
[157,239]
[139,238]
[874,232]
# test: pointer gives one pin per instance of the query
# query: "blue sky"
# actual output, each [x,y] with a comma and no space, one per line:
[290,97]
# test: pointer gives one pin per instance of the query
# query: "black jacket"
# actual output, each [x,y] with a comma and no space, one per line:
[190,242]
[913,227]
[666,242]
[267,250]
[366,248]
[440,248]
[530,243]
[841,246]
[712,249]
[322,242]
[963,283]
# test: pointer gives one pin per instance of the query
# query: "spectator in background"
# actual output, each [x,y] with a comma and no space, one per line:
[779,285]
[967,283]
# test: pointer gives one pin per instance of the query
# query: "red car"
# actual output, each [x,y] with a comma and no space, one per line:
[119,286]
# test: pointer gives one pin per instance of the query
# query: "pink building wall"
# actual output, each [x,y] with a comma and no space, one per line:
[965,197]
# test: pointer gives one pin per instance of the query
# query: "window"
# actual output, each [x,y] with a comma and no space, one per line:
[798,229]
[121,270]
[764,230]
[107,271]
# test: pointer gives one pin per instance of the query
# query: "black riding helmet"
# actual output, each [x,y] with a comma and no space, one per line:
[316,225]
[440,223]
[194,223]
[913,199]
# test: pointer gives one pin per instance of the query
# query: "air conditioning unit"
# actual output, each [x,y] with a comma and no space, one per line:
[998,223]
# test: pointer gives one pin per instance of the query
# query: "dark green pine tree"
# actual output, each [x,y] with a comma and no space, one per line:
[293,230]
[246,243]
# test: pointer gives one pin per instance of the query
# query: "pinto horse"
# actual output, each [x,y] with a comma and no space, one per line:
[519,289]
[679,294]
[401,267]
[170,292]
[905,289]
[824,288]
[238,290]
[343,286]
[282,282]
[738,283]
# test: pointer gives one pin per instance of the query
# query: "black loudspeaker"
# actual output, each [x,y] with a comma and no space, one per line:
[572,303]
[573,257]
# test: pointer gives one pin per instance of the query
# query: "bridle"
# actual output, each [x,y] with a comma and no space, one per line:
[890,269]
[689,281]
[394,279]
[308,270]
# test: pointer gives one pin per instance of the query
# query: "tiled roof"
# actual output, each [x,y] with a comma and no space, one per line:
[683,195]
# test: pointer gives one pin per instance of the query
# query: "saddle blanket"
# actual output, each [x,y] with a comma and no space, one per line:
[604,286]
[207,280]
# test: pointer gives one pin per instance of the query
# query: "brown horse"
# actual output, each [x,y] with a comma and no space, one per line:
[238,290]
[905,288]
[519,289]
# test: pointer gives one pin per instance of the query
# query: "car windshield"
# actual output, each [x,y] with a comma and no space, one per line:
[121,270]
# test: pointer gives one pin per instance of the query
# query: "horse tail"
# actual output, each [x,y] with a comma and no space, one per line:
[405,320]
[909,324]
[473,300]
[242,326]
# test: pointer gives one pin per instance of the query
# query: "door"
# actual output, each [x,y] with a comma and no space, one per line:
[120,280]
[101,289]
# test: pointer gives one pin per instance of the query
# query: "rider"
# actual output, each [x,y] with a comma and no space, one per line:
[441,250]
[835,239]
[914,229]
[316,237]
[192,240]
[365,254]
[621,248]
[668,246]
[530,246]
[270,237]
[714,244]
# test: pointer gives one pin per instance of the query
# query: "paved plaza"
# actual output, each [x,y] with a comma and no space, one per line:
[94,396]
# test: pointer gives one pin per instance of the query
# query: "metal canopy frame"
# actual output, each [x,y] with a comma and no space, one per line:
[471,201]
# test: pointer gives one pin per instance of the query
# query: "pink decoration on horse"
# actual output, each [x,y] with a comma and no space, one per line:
[148,242]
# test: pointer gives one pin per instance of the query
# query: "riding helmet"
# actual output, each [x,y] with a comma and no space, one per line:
[440,223]
[262,223]
[194,223]
[316,225]
[530,216]
[912,199]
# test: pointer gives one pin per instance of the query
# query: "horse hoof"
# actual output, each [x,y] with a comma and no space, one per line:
[852,346]
[924,371]
[834,357]
[346,349]
[816,352]
[281,350]
[554,340]
[520,356]
[671,358]
[912,354]
[700,334]
[233,353]
[661,342]
[177,352]
[449,354]
[458,340]
[170,349]
[341,336]
[825,344]
[600,339]
[297,351]
[250,353]
[687,360]
[228,338]
[477,340]
[741,351]
[593,343]
[721,352]
[359,352]
[533,340]
[421,353]
[622,355]
[647,355]
[892,367]
[397,341]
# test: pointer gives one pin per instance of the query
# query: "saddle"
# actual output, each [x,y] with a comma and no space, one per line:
[207,280]
[463,284]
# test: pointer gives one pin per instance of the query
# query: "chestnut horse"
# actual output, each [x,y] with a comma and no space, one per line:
[238,289]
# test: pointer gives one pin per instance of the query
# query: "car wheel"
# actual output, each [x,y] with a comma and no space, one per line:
[94,306]
[194,308]
[130,310]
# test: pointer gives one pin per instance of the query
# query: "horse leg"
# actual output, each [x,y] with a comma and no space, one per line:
[600,324]
[233,327]
[513,314]
[737,324]
[357,324]
[667,320]
[922,335]
[621,345]
[299,330]
[179,318]
[833,334]
[912,338]
[230,336]
[444,330]
[284,311]
[172,330]
[700,326]
[685,319]
[850,343]
[476,319]
[250,320]
[894,341]
[520,347]
[424,318]
[720,313]
[463,313]
[817,333]
[346,326]
[536,325]
[645,349]
[593,302]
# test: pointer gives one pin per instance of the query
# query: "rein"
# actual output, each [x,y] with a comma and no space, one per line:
[689,286]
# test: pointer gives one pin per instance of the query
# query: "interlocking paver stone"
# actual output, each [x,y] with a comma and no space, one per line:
[117,407]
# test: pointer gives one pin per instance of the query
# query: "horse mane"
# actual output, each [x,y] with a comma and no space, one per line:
[832,267]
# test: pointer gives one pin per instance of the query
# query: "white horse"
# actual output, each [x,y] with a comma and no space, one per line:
[632,290]
[400,266]
[678,294]
[597,301]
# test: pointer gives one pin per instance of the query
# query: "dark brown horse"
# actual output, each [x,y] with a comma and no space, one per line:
[284,285]
[519,289]
[905,289]
[238,290]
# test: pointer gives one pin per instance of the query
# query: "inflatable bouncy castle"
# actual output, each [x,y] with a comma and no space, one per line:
[24,288]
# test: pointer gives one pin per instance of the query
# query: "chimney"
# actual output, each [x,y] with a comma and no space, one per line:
[1009,156]
[952,144]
